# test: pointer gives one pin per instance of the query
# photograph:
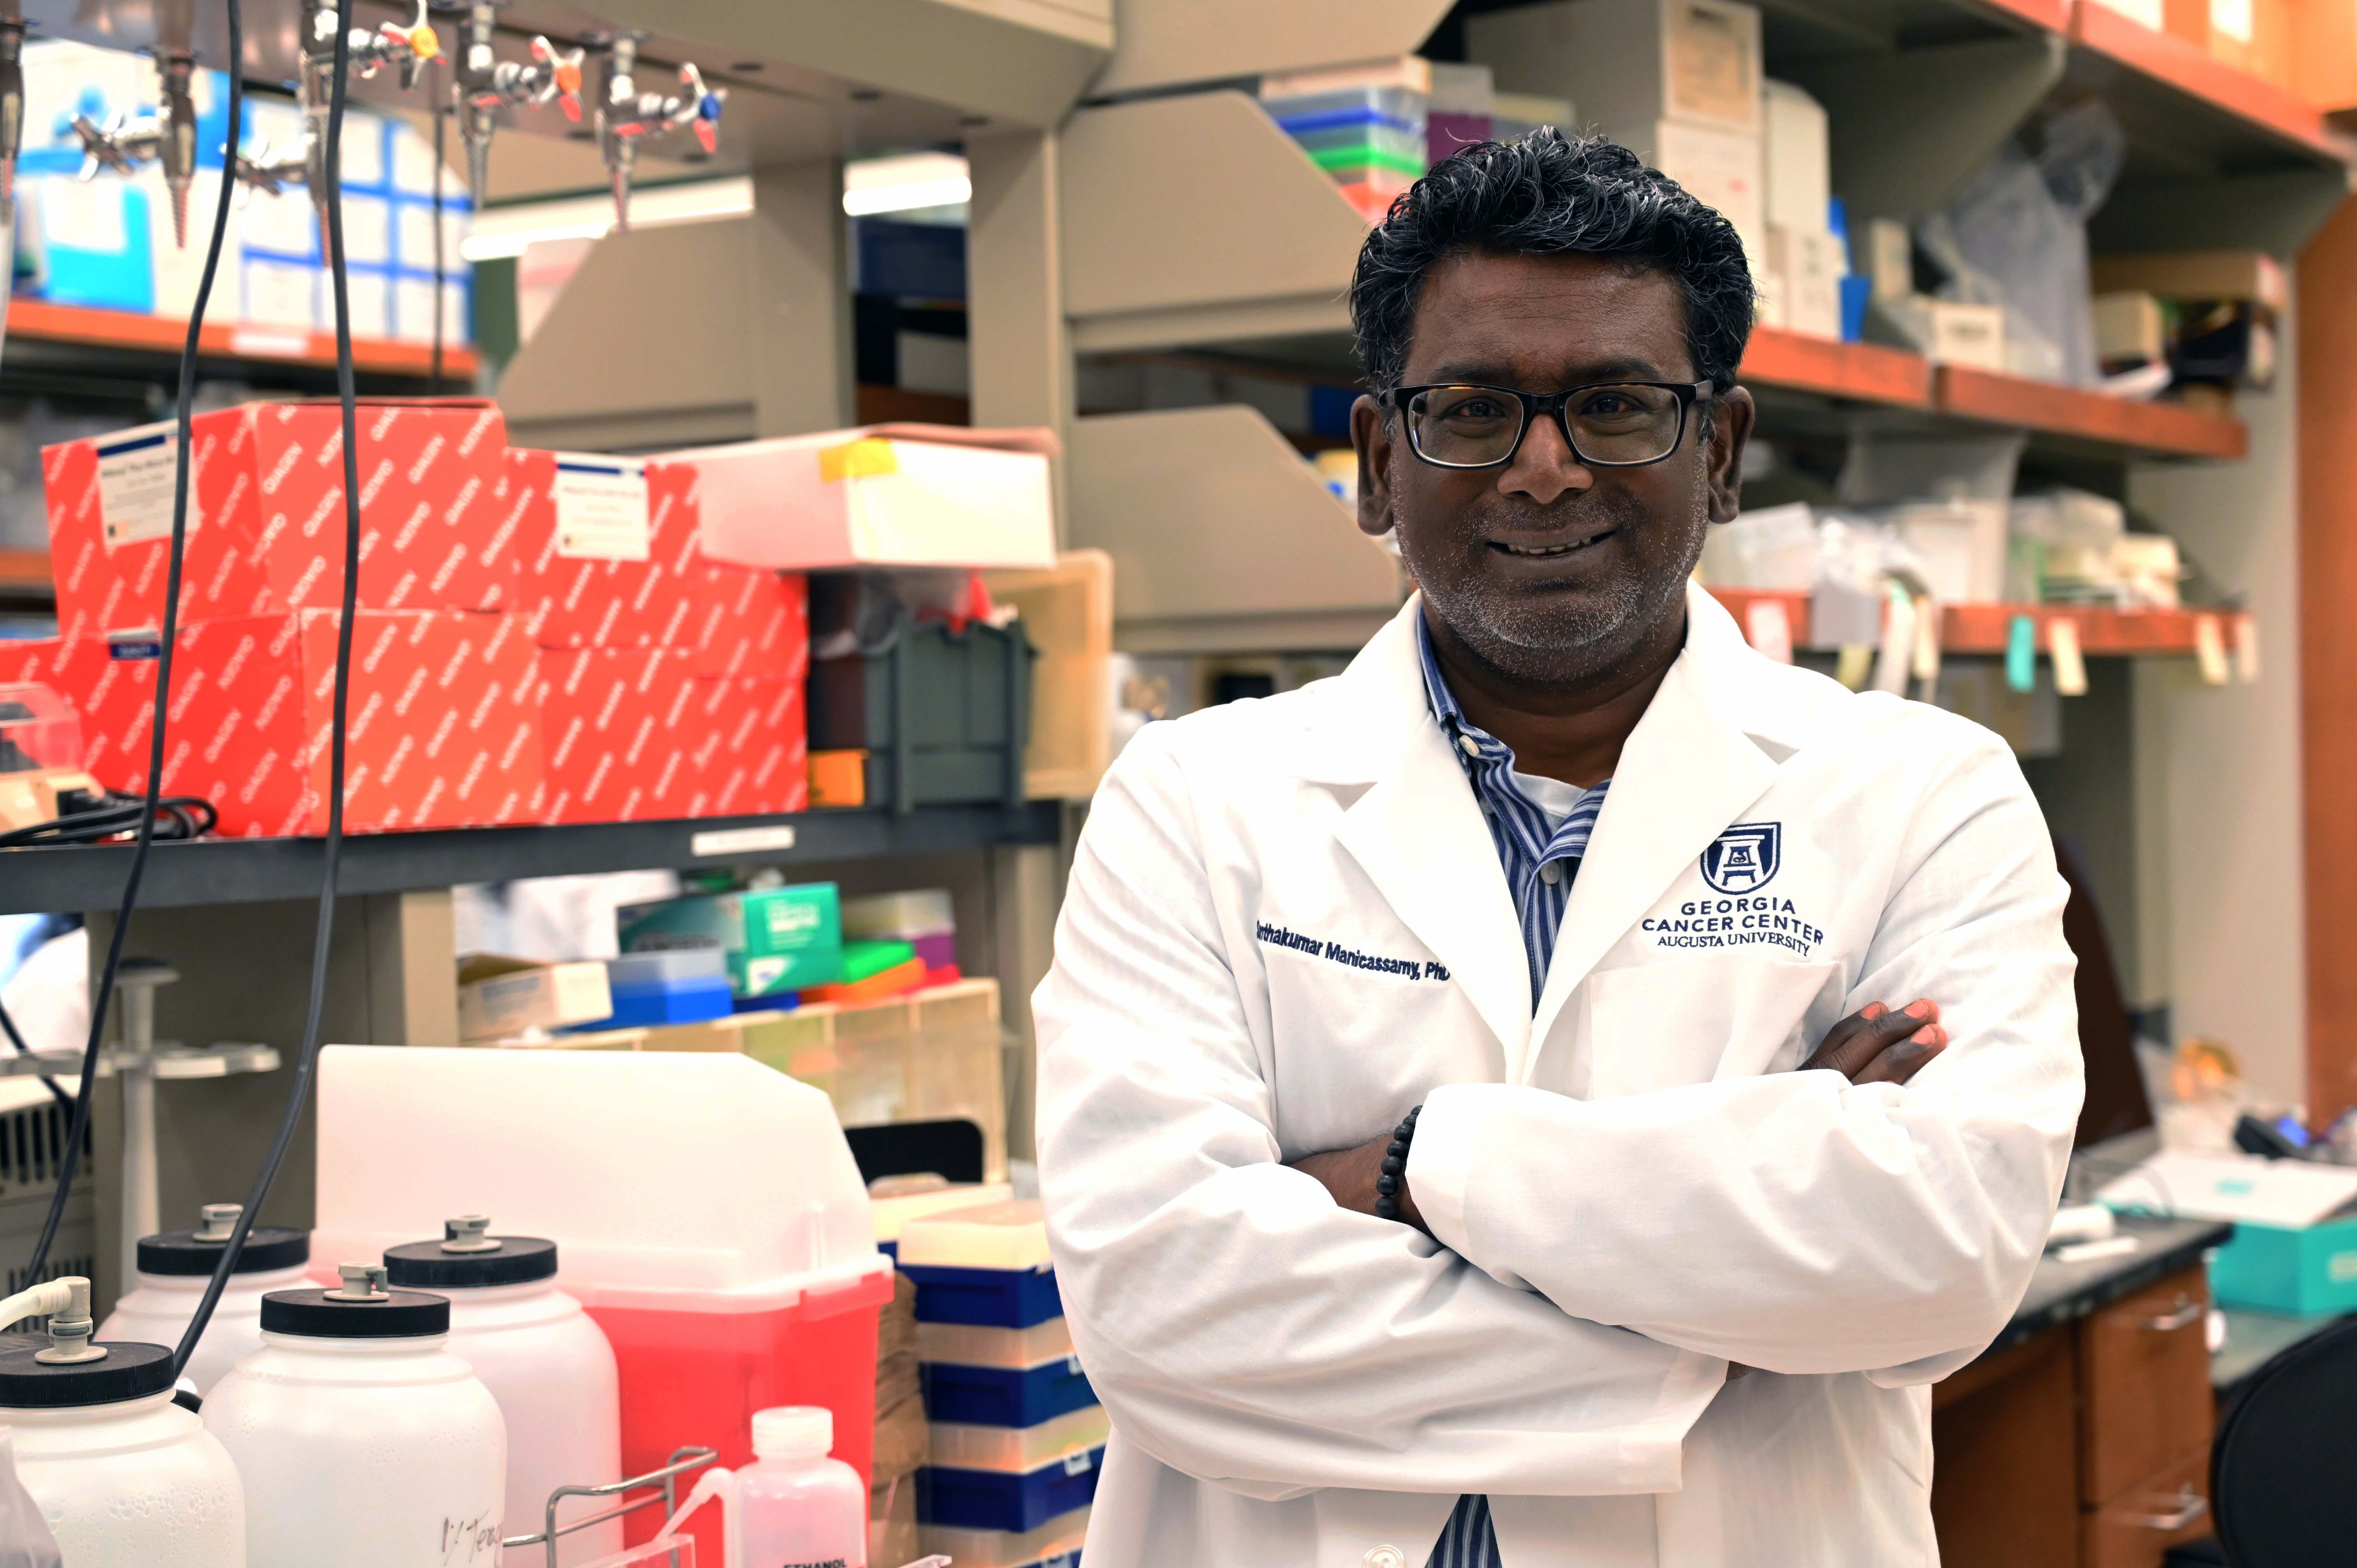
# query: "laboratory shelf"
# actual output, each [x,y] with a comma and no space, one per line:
[1984,628]
[1171,42]
[2173,66]
[2123,425]
[1222,539]
[1855,372]
[25,578]
[74,326]
[243,871]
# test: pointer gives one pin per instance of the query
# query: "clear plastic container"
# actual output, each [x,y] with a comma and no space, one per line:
[362,1441]
[546,1363]
[118,1472]
[174,1269]
[714,1222]
[797,1507]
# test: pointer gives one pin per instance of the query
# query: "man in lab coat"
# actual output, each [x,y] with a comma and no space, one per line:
[1687,1218]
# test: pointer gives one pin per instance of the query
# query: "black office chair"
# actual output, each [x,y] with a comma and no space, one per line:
[2283,1472]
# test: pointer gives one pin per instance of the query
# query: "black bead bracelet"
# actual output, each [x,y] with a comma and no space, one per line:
[1394,1173]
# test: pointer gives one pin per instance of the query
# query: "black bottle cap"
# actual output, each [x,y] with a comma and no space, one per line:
[183,1252]
[514,1260]
[127,1371]
[317,1315]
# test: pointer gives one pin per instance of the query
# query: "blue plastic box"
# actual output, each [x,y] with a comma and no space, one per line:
[991,1299]
[994,1499]
[1005,1396]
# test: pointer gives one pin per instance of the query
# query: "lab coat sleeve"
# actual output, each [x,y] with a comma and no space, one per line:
[1239,1326]
[1796,1222]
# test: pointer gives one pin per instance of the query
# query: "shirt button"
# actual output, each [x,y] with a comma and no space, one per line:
[1551,873]
[1386,1557]
[1470,747]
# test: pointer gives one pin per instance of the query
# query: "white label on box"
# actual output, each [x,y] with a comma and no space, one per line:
[1714,62]
[601,508]
[2070,664]
[86,215]
[740,841]
[135,484]
[1968,334]
[2209,649]
[2233,18]
[1769,628]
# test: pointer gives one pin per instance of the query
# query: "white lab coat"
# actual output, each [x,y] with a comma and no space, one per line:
[1630,1190]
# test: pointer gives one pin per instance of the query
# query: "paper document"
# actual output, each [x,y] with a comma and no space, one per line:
[2291,1194]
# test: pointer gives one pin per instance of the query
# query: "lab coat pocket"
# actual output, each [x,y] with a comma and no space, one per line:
[1697,1020]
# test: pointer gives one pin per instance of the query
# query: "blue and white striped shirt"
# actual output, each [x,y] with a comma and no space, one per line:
[1541,851]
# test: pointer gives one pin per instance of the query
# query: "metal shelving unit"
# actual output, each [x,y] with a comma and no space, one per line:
[251,871]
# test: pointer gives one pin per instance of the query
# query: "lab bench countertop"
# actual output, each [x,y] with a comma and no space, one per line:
[2060,1292]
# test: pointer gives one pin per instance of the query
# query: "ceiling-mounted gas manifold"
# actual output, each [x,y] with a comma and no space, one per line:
[483,85]
[626,116]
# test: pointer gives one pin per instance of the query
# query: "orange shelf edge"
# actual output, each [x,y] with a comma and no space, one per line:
[2197,71]
[1984,629]
[2053,16]
[24,569]
[1866,372]
[124,330]
[2160,427]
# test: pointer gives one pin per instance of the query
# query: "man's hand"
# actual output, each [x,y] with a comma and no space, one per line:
[1873,1045]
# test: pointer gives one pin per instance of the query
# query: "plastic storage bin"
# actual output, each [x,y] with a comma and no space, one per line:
[1004,1396]
[1010,1500]
[934,1053]
[712,1220]
[1055,1544]
[943,716]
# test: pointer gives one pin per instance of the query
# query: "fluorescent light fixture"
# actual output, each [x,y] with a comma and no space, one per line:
[905,183]
[501,232]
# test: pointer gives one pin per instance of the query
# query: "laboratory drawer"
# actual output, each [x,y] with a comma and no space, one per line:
[2137,1529]
[2144,1385]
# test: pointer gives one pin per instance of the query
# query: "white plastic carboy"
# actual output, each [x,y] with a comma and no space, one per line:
[543,1359]
[174,1268]
[362,1441]
[120,1473]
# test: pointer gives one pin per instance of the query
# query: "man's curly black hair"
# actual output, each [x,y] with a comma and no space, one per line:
[1547,194]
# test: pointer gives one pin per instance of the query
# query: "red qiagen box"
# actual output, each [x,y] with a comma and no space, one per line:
[265,523]
[115,699]
[741,620]
[747,748]
[595,543]
[609,722]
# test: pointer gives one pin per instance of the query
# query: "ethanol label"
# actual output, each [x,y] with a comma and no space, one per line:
[601,509]
[135,485]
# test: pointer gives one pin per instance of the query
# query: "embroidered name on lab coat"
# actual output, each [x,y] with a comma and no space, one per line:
[1335,952]
[1733,922]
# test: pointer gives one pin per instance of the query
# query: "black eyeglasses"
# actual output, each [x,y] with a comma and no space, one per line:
[1610,425]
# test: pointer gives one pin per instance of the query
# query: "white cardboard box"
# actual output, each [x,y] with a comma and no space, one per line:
[1629,62]
[1718,169]
[499,996]
[884,495]
[1797,155]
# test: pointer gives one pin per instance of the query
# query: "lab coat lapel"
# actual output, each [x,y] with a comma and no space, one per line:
[1687,771]
[1417,831]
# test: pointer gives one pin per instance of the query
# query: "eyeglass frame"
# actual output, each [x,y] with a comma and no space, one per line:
[1688,394]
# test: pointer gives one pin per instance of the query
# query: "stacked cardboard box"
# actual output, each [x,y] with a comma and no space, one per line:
[1017,1434]
[442,729]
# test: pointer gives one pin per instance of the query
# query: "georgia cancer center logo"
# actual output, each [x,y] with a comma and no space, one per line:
[1744,859]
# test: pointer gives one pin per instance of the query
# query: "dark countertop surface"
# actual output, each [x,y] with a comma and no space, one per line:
[2060,1291]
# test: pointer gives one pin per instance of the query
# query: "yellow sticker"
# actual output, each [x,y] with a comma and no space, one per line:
[862,459]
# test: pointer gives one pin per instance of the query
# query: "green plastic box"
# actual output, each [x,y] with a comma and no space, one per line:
[776,939]
[2305,1271]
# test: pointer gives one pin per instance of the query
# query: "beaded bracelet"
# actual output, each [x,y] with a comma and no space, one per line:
[1387,1186]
